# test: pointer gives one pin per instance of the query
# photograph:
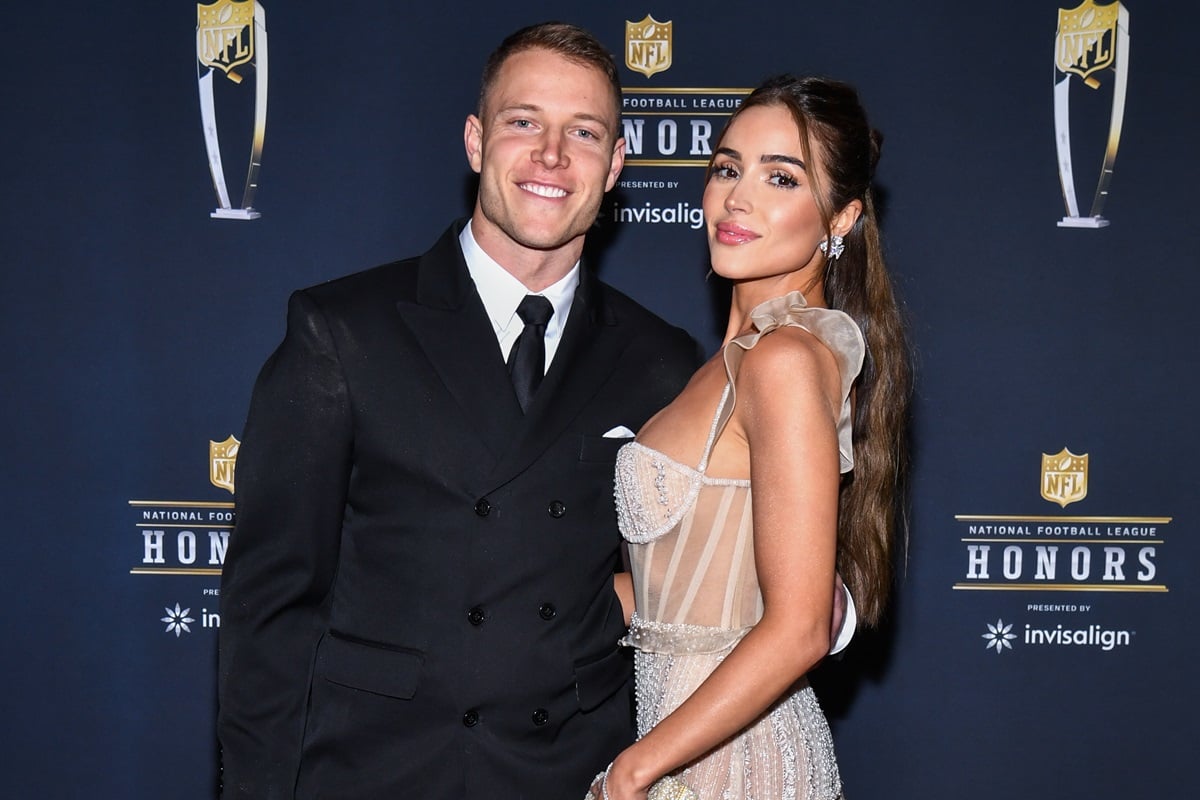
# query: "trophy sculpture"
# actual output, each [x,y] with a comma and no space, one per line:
[231,34]
[1091,40]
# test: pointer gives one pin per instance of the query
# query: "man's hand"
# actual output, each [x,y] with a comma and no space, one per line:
[845,618]
[839,608]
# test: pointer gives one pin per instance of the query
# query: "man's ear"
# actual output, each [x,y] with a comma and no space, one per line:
[473,142]
[618,163]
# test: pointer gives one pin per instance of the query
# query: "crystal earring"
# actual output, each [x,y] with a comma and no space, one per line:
[833,246]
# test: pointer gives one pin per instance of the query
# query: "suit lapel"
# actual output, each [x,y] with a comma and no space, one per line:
[451,325]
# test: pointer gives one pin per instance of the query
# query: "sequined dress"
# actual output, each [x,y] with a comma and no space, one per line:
[697,594]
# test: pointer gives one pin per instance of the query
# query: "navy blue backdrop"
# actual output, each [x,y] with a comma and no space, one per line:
[134,325]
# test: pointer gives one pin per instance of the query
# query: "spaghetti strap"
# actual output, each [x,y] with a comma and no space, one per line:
[724,412]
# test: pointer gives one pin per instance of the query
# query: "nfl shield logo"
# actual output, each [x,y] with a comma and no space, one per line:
[648,45]
[1064,477]
[225,34]
[1086,41]
[222,461]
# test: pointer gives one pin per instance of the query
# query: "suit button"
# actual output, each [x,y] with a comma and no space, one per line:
[541,717]
[547,611]
[557,509]
[471,718]
[483,507]
[476,616]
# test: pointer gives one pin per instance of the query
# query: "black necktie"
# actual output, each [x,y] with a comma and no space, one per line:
[527,361]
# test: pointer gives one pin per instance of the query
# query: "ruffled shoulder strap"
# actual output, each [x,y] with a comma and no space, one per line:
[835,329]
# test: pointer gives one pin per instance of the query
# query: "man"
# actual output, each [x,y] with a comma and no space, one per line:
[418,596]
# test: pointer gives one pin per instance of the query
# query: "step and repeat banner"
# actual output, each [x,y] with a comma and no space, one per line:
[173,170]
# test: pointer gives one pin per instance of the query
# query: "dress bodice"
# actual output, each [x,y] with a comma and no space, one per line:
[690,534]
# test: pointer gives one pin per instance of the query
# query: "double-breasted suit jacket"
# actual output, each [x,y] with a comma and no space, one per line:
[417,600]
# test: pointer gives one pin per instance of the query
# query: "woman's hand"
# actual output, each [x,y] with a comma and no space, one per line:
[618,783]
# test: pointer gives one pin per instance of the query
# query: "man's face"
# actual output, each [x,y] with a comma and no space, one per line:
[546,150]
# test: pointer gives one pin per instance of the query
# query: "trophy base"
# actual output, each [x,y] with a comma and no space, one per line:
[1083,222]
[248,213]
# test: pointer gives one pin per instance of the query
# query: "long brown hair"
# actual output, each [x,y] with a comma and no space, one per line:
[832,122]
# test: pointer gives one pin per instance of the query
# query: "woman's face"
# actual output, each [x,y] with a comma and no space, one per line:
[762,217]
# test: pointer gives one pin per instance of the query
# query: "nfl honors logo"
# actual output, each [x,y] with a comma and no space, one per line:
[1064,477]
[648,45]
[222,462]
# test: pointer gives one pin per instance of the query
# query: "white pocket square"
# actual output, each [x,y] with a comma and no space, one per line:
[619,432]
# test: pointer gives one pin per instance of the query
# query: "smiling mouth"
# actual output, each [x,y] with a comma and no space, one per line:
[542,190]
[734,234]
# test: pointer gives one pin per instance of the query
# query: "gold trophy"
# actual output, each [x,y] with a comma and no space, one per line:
[1091,40]
[232,34]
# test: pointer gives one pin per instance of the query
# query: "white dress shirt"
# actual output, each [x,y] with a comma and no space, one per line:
[502,293]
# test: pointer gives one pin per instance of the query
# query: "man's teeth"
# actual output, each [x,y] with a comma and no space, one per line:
[544,191]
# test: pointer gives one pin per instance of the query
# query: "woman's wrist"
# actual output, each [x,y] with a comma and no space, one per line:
[629,772]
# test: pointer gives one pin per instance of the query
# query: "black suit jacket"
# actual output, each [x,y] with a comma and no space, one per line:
[416,601]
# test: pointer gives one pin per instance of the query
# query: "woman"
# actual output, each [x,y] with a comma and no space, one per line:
[738,500]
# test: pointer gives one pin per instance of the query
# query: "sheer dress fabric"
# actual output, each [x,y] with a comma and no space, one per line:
[696,590]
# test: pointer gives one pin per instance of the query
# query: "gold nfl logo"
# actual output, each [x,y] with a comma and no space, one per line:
[1064,477]
[222,462]
[225,35]
[1086,41]
[648,45]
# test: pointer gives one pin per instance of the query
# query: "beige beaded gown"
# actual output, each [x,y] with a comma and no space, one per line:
[696,590]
